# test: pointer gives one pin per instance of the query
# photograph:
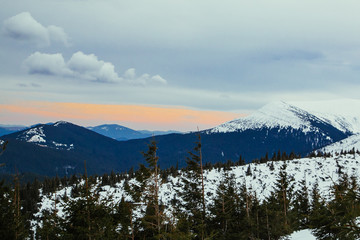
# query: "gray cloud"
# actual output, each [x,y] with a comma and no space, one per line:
[85,66]
[24,27]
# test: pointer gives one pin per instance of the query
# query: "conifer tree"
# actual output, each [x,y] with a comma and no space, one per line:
[2,149]
[153,219]
[88,217]
[301,207]
[123,217]
[339,219]
[226,210]
[7,229]
[319,215]
[193,193]
[278,204]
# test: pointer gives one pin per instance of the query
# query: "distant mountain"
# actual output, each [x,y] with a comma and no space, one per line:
[62,147]
[118,132]
[283,115]
[122,133]
[276,126]
[157,133]
[7,129]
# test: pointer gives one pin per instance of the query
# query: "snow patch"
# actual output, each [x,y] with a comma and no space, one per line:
[37,139]
[33,135]
[63,146]
[302,235]
[59,123]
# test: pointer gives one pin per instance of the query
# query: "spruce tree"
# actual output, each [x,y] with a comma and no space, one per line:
[153,221]
[226,210]
[193,193]
[301,207]
[319,215]
[278,204]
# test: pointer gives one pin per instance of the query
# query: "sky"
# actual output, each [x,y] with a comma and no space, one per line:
[161,65]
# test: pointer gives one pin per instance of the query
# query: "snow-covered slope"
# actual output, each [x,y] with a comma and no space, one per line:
[261,181]
[347,144]
[341,114]
[273,115]
[38,135]
[344,114]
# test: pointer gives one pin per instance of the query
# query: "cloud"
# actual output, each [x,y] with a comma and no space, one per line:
[89,67]
[130,76]
[85,66]
[47,64]
[24,27]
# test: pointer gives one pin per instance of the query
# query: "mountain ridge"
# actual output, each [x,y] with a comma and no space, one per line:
[276,127]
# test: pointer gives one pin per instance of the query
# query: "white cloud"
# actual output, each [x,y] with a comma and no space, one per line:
[130,73]
[24,27]
[89,67]
[144,79]
[84,66]
[57,34]
[47,64]
[158,79]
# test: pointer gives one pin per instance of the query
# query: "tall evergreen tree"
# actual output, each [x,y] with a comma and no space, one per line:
[153,219]
[301,207]
[193,193]
[278,204]
[338,221]
[225,223]
[319,215]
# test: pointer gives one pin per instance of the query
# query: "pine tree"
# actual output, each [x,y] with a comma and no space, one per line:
[153,219]
[193,193]
[278,204]
[226,210]
[319,216]
[7,230]
[339,222]
[2,149]
[123,217]
[301,207]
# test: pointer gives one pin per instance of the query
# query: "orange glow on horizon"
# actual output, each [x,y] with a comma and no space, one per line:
[133,116]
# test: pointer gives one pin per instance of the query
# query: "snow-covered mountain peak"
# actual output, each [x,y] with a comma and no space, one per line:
[344,114]
[273,115]
[39,135]
[60,123]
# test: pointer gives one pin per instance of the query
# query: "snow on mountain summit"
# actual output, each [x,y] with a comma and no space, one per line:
[272,115]
[344,114]
[39,135]
[341,114]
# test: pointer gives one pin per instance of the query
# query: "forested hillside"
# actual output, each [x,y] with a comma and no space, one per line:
[267,199]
